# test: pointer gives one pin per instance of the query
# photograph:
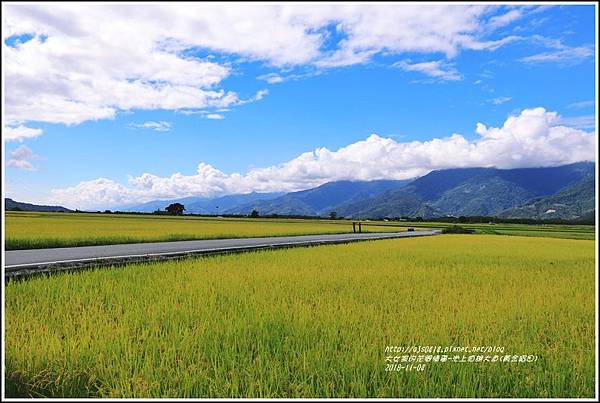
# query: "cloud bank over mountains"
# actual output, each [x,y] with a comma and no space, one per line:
[533,138]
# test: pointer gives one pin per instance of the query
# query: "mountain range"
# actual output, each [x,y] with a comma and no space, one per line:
[484,192]
[574,201]
[10,204]
[563,192]
[321,200]
[203,205]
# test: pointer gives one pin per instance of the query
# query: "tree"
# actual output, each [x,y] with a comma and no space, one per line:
[254,214]
[175,209]
[333,215]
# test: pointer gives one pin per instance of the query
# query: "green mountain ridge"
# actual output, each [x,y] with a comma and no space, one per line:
[10,204]
[572,202]
[482,192]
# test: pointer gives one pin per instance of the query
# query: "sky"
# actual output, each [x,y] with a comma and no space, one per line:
[107,105]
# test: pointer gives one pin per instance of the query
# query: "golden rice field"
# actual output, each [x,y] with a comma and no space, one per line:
[30,230]
[569,231]
[312,322]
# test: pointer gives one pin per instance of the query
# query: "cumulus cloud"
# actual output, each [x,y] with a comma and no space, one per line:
[436,69]
[20,133]
[21,158]
[535,137]
[394,29]
[160,126]
[66,70]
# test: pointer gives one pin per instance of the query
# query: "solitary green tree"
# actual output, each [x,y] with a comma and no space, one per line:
[175,209]
[254,214]
[333,215]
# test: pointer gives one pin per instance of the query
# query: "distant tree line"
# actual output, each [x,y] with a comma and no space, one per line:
[178,210]
[490,219]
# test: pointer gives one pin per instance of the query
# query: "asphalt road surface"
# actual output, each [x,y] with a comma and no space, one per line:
[19,262]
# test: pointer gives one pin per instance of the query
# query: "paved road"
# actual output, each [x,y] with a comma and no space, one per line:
[20,262]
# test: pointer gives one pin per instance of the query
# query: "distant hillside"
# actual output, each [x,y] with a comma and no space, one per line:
[320,200]
[469,192]
[572,202]
[10,204]
[154,205]
[202,205]
[224,203]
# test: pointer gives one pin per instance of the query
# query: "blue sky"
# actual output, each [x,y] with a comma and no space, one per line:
[133,121]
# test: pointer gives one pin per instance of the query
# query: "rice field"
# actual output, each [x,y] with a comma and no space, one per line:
[312,322]
[568,231]
[31,230]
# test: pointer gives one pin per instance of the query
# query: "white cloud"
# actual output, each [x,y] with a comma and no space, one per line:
[566,55]
[532,138]
[160,126]
[437,69]
[142,57]
[492,44]
[500,100]
[582,104]
[580,122]
[506,18]
[398,28]
[260,95]
[20,133]
[560,53]
[215,116]
[77,72]
[285,75]
[21,158]
[271,78]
